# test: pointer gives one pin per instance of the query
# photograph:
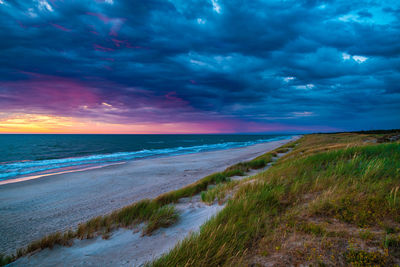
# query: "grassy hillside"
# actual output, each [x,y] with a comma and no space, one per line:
[333,200]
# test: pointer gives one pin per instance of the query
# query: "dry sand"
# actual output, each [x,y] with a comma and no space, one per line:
[34,208]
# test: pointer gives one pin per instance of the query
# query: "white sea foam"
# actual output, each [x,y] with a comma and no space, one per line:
[23,168]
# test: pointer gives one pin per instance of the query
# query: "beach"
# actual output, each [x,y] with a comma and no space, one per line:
[33,208]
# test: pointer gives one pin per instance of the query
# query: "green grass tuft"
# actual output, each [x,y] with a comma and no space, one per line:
[366,235]
[217,192]
[4,260]
[311,228]
[163,217]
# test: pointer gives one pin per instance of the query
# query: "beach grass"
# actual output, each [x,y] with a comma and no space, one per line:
[214,179]
[305,209]
[148,211]
[194,188]
[218,192]
[4,260]
[164,217]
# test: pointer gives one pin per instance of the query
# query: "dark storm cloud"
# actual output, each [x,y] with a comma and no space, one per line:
[298,63]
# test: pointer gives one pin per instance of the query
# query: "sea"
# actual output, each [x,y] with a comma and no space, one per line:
[24,155]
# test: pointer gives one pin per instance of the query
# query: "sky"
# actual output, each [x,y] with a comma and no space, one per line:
[198,66]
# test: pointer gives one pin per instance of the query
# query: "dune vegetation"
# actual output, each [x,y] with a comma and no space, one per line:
[333,200]
[330,199]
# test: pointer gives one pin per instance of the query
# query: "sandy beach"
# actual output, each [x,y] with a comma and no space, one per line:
[34,208]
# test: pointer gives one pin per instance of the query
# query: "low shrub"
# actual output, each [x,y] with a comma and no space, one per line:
[364,258]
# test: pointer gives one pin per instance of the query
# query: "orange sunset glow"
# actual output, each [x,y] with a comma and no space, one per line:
[39,123]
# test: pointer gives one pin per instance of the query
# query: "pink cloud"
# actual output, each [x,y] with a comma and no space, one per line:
[171,99]
[118,43]
[100,16]
[60,27]
[102,48]
[21,25]
[125,43]
[135,47]
[168,113]
[113,32]
[48,92]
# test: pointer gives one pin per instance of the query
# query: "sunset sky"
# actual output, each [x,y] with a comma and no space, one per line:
[204,66]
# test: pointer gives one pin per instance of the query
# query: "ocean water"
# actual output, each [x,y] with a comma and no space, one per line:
[24,155]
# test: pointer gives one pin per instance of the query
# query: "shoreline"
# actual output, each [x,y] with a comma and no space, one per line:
[32,175]
[34,208]
[27,178]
